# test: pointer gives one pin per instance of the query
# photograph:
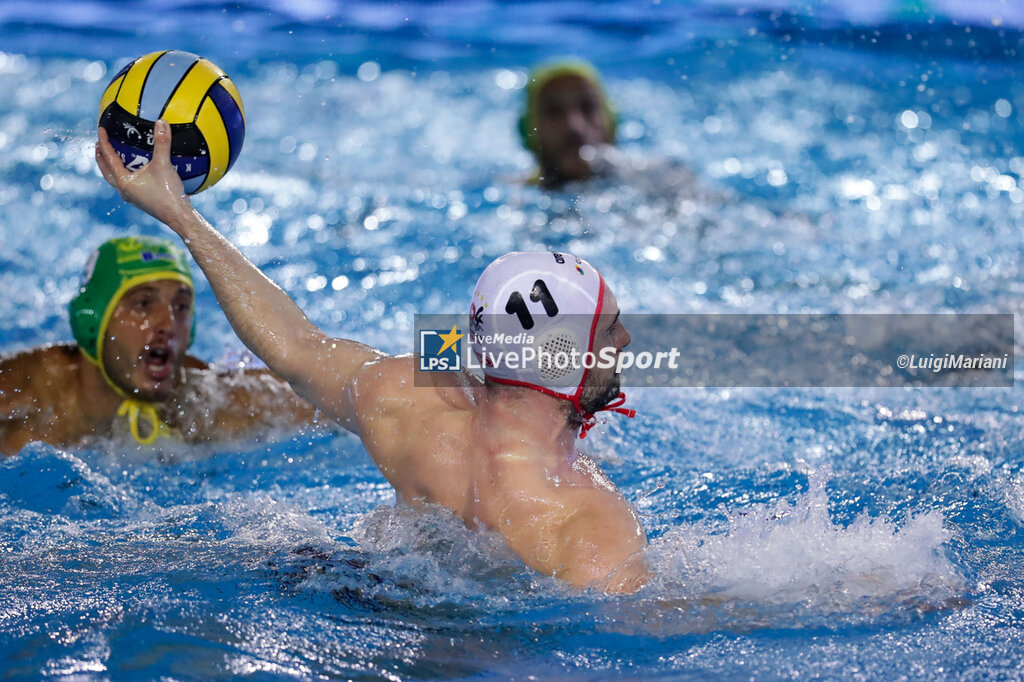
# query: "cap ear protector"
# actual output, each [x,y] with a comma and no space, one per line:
[551,343]
[543,75]
[115,267]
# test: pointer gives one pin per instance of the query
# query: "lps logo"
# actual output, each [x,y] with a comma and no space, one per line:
[440,350]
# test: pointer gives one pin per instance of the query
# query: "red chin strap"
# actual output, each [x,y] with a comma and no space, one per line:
[589,420]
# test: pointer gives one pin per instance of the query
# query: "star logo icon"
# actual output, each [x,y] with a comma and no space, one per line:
[450,339]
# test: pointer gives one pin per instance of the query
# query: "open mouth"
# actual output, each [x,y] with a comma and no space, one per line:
[157,361]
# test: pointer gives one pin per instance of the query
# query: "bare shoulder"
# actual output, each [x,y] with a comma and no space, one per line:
[221,377]
[217,403]
[574,525]
[396,382]
[603,543]
[209,382]
[41,397]
[39,367]
[192,362]
[400,415]
[54,352]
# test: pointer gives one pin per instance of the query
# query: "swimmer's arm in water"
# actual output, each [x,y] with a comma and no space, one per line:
[319,368]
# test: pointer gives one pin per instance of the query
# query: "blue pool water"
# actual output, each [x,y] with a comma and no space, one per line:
[853,157]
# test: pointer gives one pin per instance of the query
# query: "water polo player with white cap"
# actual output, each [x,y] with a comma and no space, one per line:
[548,303]
[497,452]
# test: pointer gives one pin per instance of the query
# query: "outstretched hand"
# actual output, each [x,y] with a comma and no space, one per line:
[155,188]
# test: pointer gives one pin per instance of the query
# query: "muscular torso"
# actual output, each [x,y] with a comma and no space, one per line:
[449,445]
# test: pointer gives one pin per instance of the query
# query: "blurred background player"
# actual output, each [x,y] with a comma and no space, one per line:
[566,119]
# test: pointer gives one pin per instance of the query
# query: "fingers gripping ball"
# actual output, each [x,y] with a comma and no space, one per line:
[193,95]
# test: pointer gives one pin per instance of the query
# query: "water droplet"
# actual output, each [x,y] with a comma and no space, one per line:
[368,71]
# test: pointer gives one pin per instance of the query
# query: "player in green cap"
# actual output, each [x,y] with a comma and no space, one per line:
[569,124]
[130,371]
[566,119]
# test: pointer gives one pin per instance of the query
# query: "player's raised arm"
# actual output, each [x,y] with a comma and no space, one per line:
[264,317]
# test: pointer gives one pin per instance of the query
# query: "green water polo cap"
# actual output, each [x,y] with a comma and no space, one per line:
[115,267]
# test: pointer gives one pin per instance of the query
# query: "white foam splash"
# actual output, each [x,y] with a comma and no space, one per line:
[1013,493]
[795,554]
[259,520]
[432,547]
[50,481]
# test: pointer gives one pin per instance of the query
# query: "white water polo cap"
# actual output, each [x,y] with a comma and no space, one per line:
[531,311]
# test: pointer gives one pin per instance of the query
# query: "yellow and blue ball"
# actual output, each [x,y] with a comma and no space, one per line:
[196,97]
